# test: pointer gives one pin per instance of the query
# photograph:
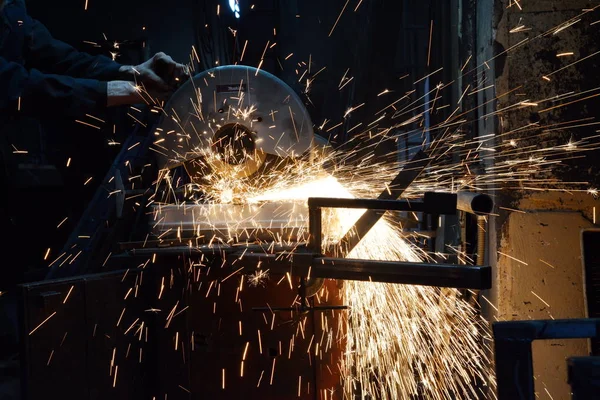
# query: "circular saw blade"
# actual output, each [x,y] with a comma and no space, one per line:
[254,99]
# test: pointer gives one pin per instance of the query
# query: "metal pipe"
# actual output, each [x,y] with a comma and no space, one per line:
[475,203]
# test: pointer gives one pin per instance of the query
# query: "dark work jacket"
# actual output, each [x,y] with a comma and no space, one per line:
[42,76]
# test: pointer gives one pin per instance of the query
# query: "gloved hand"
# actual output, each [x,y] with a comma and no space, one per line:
[159,76]
[160,72]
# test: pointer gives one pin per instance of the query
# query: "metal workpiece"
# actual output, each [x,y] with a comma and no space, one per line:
[475,203]
[400,272]
[512,345]
[228,218]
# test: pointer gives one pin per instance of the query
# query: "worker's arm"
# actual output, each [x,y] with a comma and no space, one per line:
[124,92]
[49,55]
[37,94]
[159,73]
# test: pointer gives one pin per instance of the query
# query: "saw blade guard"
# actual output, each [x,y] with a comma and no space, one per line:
[235,115]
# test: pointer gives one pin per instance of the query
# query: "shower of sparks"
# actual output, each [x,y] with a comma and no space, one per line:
[398,341]
[394,328]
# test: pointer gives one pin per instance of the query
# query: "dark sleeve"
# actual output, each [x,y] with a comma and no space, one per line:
[37,94]
[53,56]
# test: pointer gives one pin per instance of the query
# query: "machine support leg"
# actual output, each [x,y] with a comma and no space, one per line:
[512,341]
[514,369]
[315,229]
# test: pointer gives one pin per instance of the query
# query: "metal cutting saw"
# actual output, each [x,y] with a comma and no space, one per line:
[236,115]
[235,122]
[240,122]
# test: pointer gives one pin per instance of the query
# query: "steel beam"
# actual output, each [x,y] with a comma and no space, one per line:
[433,202]
[410,273]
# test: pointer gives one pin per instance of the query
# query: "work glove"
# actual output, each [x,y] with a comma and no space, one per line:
[160,75]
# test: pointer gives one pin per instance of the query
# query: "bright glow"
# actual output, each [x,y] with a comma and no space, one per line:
[235,7]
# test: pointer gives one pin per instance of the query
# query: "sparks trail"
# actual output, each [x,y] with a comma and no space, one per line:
[389,328]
